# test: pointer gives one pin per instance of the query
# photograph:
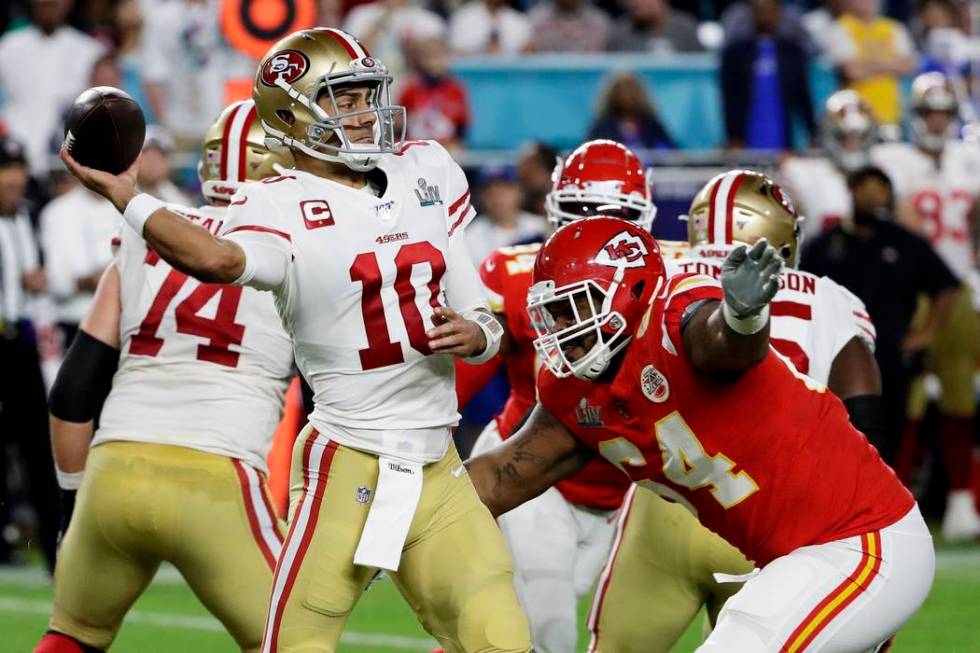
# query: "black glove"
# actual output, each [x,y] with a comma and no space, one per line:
[750,278]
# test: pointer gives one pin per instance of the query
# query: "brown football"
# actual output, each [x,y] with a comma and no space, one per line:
[105,129]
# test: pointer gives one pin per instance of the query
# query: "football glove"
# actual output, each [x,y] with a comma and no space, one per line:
[750,279]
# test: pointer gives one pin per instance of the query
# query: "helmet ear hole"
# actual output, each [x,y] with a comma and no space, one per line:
[637,290]
[286,116]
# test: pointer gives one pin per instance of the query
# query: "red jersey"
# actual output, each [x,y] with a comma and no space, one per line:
[770,462]
[506,273]
[438,112]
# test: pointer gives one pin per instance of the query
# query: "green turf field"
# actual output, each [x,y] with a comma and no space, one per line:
[168,618]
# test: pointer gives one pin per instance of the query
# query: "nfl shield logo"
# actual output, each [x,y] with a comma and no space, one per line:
[362,495]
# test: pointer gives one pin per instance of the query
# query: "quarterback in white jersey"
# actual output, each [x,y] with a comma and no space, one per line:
[363,250]
[821,328]
[937,183]
[176,470]
[818,183]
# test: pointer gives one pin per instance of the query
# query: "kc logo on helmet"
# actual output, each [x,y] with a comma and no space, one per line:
[316,213]
[624,249]
[289,65]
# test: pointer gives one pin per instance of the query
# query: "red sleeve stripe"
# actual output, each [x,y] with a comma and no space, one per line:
[260,229]
[871,334]
[459,221]
[791,309]
[455,205]
[863,316]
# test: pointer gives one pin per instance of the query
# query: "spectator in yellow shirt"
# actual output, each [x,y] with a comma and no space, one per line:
[871,53]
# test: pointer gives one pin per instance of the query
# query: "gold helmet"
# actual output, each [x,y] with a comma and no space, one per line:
[933,92]
[298,70]
[741,206]
[849,130]
[234,152]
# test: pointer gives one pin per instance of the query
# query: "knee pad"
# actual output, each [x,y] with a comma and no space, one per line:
[55,642]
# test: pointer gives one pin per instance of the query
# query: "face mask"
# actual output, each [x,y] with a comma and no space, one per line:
[869,216]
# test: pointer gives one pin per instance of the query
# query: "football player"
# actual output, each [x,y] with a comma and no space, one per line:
[937,183]
[176,471]
[819,183]
[697,407]
[559,540]
[825,333]
[362,245]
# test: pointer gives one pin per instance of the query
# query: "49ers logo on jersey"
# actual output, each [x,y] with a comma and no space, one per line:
[623,249]
[316,213]
[289,65]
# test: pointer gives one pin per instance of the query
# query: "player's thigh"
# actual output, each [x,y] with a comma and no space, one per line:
[954,356]
[231,542]
[847,595]
[649,590]
[455,571]
[543,540]
[316,583]
[108,556]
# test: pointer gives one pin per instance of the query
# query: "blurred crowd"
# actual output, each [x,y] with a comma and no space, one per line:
[175,59]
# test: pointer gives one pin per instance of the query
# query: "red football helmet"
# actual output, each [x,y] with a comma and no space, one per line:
[601,177]
[593,278]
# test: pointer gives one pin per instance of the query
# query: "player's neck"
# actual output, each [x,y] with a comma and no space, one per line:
[334,171]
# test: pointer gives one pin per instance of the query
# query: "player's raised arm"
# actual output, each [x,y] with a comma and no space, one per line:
[186,246]
[539,455]
[733,335]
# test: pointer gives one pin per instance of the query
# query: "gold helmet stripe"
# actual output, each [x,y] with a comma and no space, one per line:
[353,47]
[721,207]
[235,141]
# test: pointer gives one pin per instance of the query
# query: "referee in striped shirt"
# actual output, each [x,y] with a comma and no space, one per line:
[23,409]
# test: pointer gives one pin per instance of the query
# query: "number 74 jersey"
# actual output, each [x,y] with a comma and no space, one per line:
[770,461]
[203,366]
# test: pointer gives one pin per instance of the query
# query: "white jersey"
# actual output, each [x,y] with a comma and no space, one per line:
[812,317]
[820,191]
[203,366]
[357,278]
[943,197]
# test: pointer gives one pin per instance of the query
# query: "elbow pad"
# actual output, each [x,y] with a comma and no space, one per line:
[84,380]
[867,416]
[492,331]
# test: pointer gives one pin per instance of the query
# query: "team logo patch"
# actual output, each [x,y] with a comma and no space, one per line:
[588,416]
[362,494]
[316,213]
[623,249]
[288,65]
[654,385]
[427,195]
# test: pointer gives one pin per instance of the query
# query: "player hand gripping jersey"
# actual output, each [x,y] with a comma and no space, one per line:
[820,327]
[176,470]
[362,247]
[671,366]
[559,540]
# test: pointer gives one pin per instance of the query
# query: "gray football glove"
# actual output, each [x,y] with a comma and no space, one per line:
[750,278]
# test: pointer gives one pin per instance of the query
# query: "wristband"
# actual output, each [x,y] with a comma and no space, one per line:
[139,210]
[492,331]
[745,326]
[68,481]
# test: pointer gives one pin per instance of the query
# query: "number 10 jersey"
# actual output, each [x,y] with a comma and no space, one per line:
[203,366]
[365,272]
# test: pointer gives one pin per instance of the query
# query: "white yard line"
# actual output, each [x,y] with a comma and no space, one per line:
[191,622]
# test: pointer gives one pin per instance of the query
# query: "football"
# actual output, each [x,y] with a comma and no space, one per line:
[105,129]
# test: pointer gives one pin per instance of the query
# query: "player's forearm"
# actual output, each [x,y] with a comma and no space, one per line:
[716,348]
[70,443]
[193,249]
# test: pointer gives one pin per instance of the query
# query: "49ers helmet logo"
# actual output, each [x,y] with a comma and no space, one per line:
[289,65]
[623,249]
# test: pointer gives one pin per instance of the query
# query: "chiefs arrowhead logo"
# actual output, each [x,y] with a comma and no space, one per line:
[623,249]
[316,214]
[289,65]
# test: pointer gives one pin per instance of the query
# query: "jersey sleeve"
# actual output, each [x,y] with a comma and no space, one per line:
[464,290]
[460,210]
[683,291]
[493,283]
[854,317]
[255,223]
